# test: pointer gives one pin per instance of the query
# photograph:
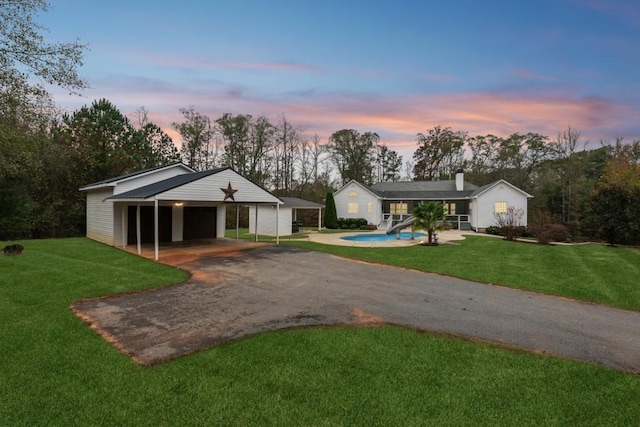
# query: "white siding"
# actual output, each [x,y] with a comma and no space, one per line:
[209,189]
[355,193]
[149,178]
[118,224]
[177,223]
[100,216]
[267,220]
[483,205]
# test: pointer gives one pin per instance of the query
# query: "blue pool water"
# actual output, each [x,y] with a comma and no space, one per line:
[366,237]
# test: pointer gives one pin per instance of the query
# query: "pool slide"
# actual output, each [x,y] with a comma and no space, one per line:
[401,225]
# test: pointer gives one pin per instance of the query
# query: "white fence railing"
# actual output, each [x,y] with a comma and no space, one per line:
[388,218]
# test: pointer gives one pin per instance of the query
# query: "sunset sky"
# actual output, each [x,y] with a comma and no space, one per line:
[392,67]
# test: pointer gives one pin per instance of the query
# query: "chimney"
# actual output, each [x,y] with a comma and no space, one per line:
[459,180]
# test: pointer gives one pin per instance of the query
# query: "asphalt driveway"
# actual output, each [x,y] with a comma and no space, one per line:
[255,289]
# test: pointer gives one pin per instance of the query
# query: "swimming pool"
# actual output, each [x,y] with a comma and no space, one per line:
[366,237]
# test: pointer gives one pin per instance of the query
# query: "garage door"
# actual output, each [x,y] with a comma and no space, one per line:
[146,224]
[199,223]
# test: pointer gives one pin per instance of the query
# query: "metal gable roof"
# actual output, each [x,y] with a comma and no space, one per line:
[165,185]
[127,176]
[294,202]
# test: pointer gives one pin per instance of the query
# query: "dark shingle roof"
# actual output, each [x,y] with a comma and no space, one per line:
[483,188]
[294,202]
[422,190]
[131,175]
[165,185]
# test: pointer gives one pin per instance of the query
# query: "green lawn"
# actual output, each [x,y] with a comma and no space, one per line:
[243,234]
[54,370]
[592,272]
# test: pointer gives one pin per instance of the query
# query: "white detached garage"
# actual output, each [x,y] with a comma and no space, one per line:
[168,204]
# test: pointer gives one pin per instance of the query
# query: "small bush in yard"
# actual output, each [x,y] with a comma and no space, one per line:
[351,223]
[493,230]
[510,222]
[546,233]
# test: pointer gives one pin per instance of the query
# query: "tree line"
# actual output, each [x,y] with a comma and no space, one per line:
[592,191]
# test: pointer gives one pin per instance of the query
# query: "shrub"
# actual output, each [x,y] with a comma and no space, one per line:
[351,223]
[512,232]
[546,233]
[493,230]
[510,222]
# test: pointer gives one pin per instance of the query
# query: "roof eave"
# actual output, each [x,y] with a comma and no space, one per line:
[95,187]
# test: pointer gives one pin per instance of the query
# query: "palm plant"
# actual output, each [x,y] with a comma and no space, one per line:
[429,216]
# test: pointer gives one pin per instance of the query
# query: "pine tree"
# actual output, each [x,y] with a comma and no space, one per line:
[330,214]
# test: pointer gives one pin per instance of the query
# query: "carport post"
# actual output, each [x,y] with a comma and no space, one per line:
[319,219]
[256,222]
[155,228]
[138,242]
[237,222]
[277,223]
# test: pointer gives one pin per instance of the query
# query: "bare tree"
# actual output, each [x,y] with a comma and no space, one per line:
[287,149]
[141,117]
[510,222]
[261,140]
[24,51]
[313,154]
[408,170]
[570,169]
[388,164]
[197,133]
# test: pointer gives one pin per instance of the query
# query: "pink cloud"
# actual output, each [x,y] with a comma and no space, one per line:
[397,119]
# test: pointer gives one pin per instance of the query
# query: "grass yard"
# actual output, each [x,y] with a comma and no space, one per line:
[592,272]
[243,234]
[54,370]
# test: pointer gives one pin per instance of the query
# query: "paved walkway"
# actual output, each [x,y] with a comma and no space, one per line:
[254,289]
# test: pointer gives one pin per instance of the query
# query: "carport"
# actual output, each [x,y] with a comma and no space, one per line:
[189,206]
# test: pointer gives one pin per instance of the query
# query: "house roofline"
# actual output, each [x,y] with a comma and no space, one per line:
[500,181]
[153,194]
[112,182]
[361,185]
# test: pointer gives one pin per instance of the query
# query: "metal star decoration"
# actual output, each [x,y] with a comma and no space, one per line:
[229,192]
